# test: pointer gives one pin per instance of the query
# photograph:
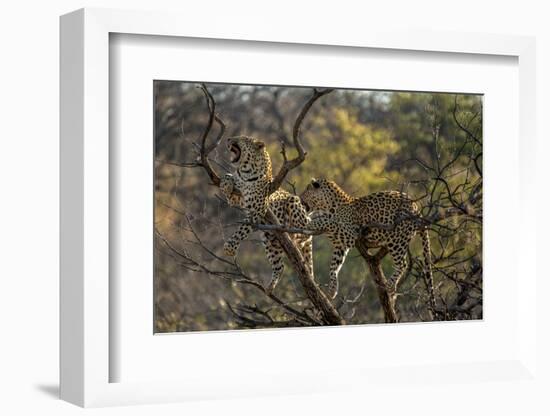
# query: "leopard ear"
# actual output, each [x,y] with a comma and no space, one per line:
[260,145]
[315,183]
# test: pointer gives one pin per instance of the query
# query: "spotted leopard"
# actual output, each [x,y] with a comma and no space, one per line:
[342,217]
[252,179]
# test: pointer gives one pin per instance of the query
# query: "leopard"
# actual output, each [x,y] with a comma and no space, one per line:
[248,188]
[344,218]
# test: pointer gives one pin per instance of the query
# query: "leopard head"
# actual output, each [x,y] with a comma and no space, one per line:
[250,157]
[323,195]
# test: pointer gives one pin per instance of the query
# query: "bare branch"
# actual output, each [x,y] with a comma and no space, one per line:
[204,151]
[236,275]
[461,126]
[219,138]
[288,165]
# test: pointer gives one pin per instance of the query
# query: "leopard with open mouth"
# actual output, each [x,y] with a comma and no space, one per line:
[252,179]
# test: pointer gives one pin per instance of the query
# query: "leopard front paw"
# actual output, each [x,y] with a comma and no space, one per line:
[269,289]
[227,183]
[230,248]
[332,293]
[320,215]
[271,286]
[332,290]
[391,286]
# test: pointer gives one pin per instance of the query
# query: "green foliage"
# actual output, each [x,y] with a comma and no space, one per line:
[349,152]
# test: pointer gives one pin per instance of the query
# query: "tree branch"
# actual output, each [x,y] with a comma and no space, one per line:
[205,151]
[288,165]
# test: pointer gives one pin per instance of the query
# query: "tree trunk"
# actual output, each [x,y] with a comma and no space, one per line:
[313,291]
[386,292]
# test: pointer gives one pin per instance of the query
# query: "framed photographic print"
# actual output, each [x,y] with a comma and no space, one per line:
[281,213]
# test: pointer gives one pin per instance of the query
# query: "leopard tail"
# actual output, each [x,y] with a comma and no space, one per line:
[428,274]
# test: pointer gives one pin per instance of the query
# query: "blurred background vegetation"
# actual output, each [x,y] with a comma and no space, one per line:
[365,141]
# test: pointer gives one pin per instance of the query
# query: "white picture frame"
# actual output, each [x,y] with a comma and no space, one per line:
[85,354]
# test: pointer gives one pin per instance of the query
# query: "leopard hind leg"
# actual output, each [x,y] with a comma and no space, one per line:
[339,254]
[398,253]
[398,245]
[306,247]
[274,253]
[296,216]
[343,239]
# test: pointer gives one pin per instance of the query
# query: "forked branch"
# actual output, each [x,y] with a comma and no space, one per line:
[204,149]
[288,165]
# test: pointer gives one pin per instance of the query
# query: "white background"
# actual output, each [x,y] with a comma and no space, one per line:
[29,206]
